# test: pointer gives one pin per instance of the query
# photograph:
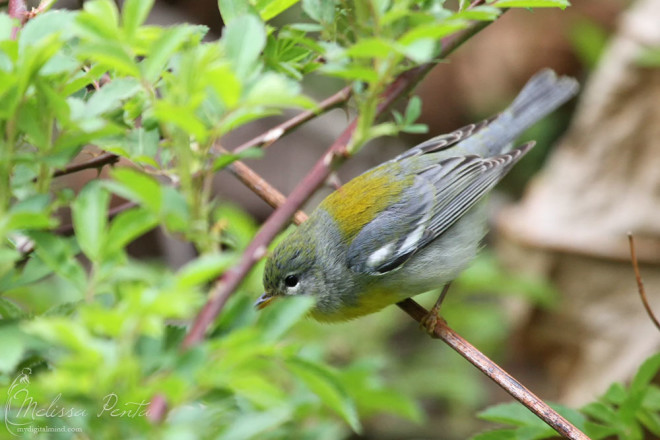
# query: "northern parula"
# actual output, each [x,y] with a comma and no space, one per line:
[411,224]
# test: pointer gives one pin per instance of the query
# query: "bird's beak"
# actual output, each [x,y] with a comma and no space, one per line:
[264,300]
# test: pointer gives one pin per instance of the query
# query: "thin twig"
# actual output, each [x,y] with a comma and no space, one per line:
[259,186]
[95,162]
[495,373]
[17,9]
[640,283]
[267,138]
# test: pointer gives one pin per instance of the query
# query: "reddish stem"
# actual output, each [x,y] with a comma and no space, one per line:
[495,373]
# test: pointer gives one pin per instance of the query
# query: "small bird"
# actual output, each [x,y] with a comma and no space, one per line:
[411,224]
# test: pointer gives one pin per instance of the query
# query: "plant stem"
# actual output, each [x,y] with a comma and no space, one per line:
[495,373]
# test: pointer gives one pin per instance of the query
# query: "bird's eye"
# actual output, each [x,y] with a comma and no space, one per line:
[291,281]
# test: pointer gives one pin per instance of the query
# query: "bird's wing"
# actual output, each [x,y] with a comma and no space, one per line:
[445,141]
[441,194]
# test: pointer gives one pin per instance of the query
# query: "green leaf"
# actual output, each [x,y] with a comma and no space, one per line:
[137,187]
[252,424]
[13,347]
[31,213]
[616,393]
[162,50]
[325,385]
[34,58]
[99,20]
[513,414]
[422,50]
[44,26]
[371,48]
[244,38]
[645,374]
[226,84]
[239,226]
[182,117]
[351,72]
[272,8]
[111,95]
[652,398]
[175,211]
[143,145]
[6,25]
[128,226]
[9,310]
[433,31]
[413,110]
[58,254]
[531,4]
[90,217]
[8,258]
[596,431]
[112,55]
[362,380]
[600,412]
[277,91]
[25,220]
[281,316]
[498,434]
[232,9]
[227,159]
[134,13]
[480,13]
[650,420]
[321,11]
[203,269]
[53,100]
[242,116]
[82,79]
[257,388]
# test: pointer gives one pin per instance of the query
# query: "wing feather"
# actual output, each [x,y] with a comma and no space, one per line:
[442,194]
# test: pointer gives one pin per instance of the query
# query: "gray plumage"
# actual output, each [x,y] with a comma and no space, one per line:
[431,230]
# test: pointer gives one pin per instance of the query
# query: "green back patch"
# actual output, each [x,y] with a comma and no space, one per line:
[363,198]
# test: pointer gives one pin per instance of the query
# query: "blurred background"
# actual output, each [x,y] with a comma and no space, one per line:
[552,298]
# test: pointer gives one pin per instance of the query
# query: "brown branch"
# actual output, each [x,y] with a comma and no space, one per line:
[495,373]
[17,9]
[267,138]
[96,162]
[259,186]
[640,283]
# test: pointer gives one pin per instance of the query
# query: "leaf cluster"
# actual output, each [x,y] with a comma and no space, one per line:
[94,331]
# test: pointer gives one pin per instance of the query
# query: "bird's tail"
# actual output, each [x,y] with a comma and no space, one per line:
[542,94]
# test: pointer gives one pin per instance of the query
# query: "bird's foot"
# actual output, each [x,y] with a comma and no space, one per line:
[430,321]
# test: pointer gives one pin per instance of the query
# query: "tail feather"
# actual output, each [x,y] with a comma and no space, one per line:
[542,94]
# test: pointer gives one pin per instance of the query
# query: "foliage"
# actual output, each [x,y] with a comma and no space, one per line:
[90,334]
